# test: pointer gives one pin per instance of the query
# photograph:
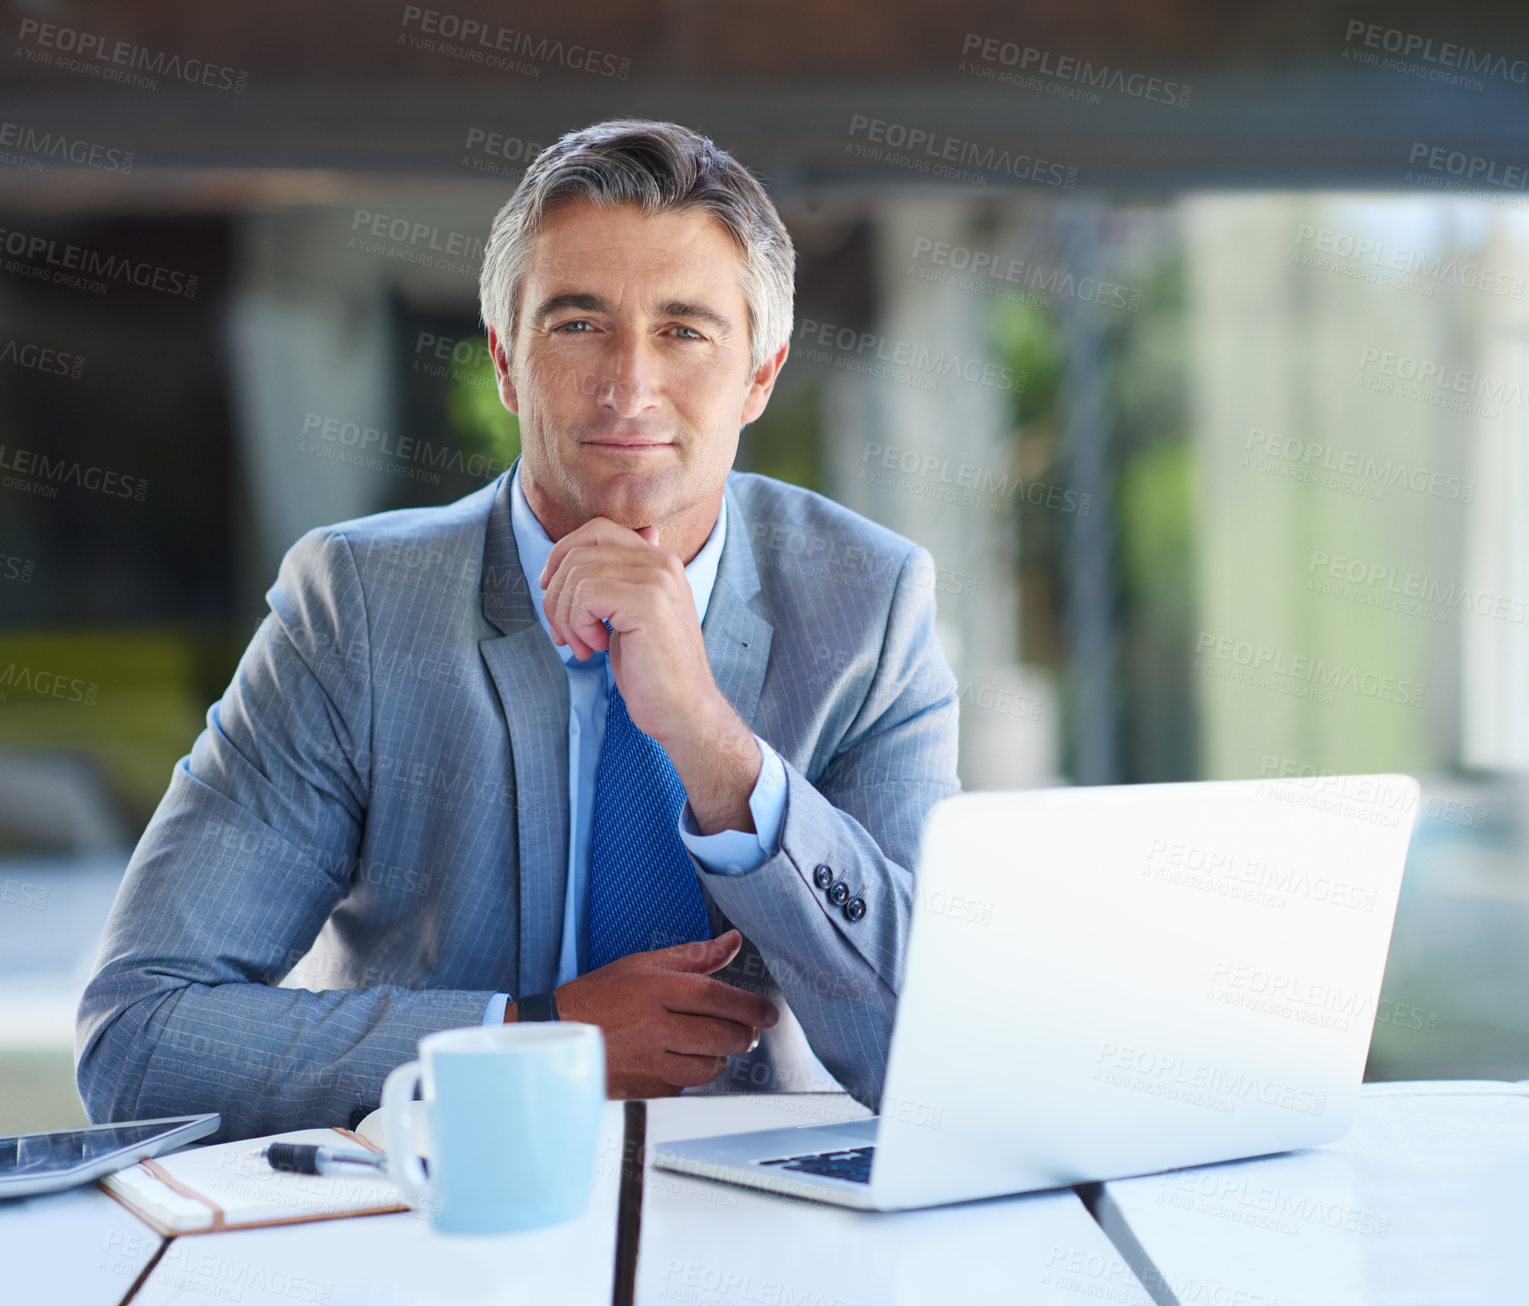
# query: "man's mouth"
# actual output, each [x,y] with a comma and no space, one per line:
[634,443]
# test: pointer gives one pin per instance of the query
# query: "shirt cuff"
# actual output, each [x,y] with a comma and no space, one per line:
[737,852]
[496,1005]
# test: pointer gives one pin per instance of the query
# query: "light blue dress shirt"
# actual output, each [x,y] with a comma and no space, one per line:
[730,852]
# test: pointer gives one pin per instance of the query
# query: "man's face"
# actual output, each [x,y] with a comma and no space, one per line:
[630,371]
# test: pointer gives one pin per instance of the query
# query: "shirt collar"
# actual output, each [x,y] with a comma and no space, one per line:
[535,546]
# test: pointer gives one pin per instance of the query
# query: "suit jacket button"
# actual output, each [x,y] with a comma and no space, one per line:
[839,894]
[823,876]
[854,909]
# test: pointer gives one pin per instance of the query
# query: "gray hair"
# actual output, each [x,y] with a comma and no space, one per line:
[659,167]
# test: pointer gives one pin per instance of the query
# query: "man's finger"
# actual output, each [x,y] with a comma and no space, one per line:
[690,1072]
[584,632]
[620,1086]
[580,630]
[597,530]
[704,955]
[697,995]
[591,532]
[695,1036]
[582,596]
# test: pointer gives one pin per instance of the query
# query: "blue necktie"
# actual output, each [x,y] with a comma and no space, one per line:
[643,892]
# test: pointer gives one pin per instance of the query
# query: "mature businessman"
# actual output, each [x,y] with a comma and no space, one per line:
[624,737]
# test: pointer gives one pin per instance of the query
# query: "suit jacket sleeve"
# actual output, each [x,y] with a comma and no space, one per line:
[253,845]
[861,818]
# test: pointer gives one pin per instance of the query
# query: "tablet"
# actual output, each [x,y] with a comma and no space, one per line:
[55,1159]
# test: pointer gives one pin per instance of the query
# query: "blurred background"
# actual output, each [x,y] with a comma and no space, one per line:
[1189,337]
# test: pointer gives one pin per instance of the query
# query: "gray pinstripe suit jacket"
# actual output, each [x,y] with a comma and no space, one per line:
[370,837]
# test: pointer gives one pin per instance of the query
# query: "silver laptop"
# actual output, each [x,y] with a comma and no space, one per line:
[1112,981]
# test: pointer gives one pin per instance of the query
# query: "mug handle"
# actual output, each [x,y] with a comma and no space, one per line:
[404,1168]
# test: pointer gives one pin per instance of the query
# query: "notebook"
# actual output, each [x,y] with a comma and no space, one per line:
[230,1186]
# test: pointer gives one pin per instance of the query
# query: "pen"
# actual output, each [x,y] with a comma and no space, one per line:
[305,1158]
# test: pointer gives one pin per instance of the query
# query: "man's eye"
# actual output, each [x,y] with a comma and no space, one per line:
[577,322]
[694,334]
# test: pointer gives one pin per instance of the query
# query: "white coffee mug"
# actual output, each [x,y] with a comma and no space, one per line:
[514,1114]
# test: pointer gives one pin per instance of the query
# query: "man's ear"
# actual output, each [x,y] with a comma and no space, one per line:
[505,382]
[762,384]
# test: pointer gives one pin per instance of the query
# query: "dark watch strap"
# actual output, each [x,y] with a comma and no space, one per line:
[540,1006]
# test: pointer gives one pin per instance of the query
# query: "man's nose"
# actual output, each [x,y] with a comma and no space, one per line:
[627,386]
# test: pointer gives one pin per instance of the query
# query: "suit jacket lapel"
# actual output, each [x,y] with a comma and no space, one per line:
[737,637]
[737,640]
[533,689]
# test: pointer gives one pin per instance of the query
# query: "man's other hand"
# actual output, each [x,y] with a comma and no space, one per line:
[668,1025]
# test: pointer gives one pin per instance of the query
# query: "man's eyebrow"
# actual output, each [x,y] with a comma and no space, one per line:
[569,299]
[699,312]
[594,304]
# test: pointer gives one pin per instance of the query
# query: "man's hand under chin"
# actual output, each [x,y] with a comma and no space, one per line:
[603,572]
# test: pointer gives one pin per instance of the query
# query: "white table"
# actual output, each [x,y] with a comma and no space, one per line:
[79,1248]
[712,1244]
[82,1248]
[398,1260]
[1421,1203]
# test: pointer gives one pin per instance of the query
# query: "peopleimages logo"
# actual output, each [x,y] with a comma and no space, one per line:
[60,148]
[850,343]
[99,56]
[1264,663]
[1414,593]
[1352,472]
[59,261]
[986,266]
[409,241]
[1444,55]
[1083,75]
[1426,372]
[464,358]
[498,154]
[1376,257]
[49,684]
[1164,1074]
[40,358]
[17,569]
[18,465]
[964,484]
[496,46]
[1292,988]
[937,153]
[1367,790]
[1467,170]
[1232,1195]
[380,450]
[1250,879]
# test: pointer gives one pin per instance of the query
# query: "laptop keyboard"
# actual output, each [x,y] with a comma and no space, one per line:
[853,1164]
